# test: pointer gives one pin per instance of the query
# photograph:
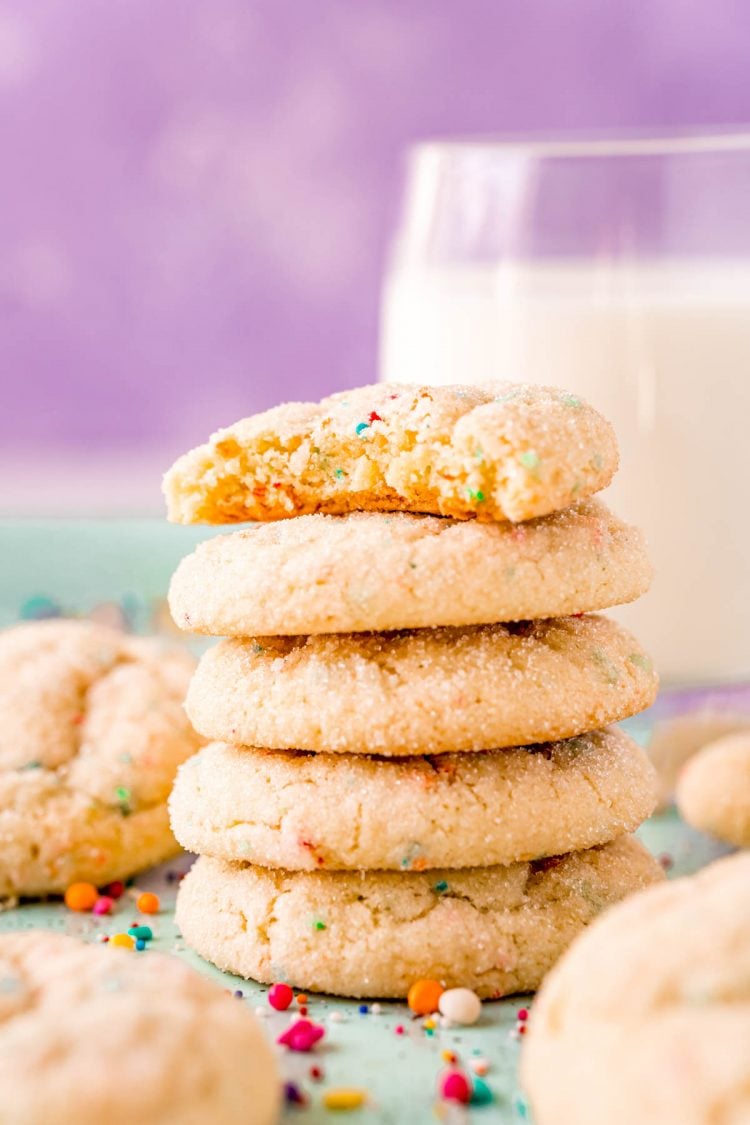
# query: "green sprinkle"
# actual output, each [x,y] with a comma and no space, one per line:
[441,887]
[145,933]
[258,649]
[572,401]
[477,495]
[530,460]
[122,793]
[641,661]
[319,925]
[609,670]
[339,473]
[35,764]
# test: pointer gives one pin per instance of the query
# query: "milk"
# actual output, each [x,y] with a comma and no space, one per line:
[663,350]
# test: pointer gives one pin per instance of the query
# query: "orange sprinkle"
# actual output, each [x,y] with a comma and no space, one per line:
[301,998]
[423,996]
[81,897]
[148,903]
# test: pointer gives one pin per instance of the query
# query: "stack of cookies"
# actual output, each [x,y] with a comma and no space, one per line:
[410,774]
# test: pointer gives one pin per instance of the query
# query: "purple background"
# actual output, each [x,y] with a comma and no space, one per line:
[196,197]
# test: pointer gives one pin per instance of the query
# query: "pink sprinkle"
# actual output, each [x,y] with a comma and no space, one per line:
[455,1087]
[103,905]
[523,1014]
[301,1035]
[399,1029]
[280,996]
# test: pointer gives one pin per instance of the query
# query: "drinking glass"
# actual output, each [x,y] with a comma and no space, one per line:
[618,268]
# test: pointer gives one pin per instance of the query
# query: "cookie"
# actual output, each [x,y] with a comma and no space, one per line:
[496,930]
[90,1034]
[647,1017]
[92,731]
[499,451]
[430,691]
[675,740]
[373,570]
[304,811]
[713,790]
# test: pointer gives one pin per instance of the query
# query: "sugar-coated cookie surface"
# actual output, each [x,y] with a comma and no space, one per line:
[377,570]
[647,1017]
[496,930]
[305,811]
[92,731]
[498,451]
[90,1034]
[713,790]
[429,691]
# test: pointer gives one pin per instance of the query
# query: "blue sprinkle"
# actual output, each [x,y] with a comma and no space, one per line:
[361,427]
[140,944]
[363,1009]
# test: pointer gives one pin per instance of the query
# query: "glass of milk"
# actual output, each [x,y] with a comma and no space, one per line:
[620,270]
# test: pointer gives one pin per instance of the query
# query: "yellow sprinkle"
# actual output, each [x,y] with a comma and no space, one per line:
[125,941]
[344,1097]
[429,1025]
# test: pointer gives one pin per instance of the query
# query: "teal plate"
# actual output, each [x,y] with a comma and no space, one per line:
[118,572]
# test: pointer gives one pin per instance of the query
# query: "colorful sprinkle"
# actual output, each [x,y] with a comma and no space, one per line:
[477,495]
[572,401]
[460,1005]
[81,897]
[363,1009]
[140,945]
[319,925]
[339,473]
[424,996]
[302,1035]
[374,417]
[122,941]
[522,1014]
[360,428]
[480,1065]
[103,905]
[123,795]
[399,1029]
[293,1095]
[280,996]
[441,887]
[344,1097]
[141,933]
[316,1073]
[148,903]
[481,1094]
[114,890]
[530,460]
[455,1087]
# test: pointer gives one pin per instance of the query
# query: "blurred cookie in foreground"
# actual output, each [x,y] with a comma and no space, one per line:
[496,451]
[647,1016]
[92,731]
[713,790]
[92,1034]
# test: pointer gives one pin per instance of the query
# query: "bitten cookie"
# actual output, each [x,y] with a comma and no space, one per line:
[90,1035]
[373,570]
[92,731]
[436,690]
[496,930]
[647,1017]
[713,791]
[499,451]
[304,811]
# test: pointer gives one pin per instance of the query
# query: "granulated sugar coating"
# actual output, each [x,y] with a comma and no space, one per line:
[92,731]
[428,691]
[499,451]
[496,930]
[304,811]
[374,570]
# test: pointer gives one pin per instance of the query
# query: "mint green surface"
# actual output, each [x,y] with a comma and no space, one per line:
[120,571]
